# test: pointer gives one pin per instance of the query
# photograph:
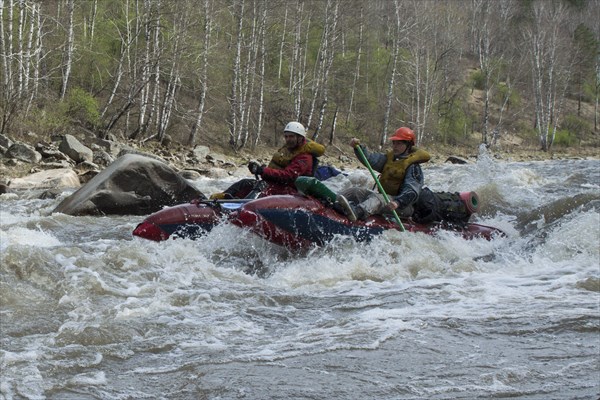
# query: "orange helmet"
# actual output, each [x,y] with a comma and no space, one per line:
[405,134]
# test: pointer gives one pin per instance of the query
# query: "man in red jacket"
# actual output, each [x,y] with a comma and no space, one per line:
[298,157]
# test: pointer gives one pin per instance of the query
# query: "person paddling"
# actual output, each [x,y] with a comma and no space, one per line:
[298,157]
[401,178]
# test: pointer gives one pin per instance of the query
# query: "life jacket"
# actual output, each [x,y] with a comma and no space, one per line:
[283,157]
[394,171]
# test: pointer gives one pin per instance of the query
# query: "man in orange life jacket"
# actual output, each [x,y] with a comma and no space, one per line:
[298,157]
[401,178]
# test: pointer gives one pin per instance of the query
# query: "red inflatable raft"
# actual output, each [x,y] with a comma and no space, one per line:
[292,221]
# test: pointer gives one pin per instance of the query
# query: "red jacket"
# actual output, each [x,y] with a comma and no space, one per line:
[301,165]
[280,181]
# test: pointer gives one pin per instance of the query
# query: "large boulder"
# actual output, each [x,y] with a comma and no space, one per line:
[23,152]
[132,185]
[75,150]
[60,178]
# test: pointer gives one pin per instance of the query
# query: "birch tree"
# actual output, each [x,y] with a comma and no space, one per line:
[165,109]
[144,94]
[596,93]
[7,47]
[298,60]
[489,23]
[247,79]
[158,65]
[250,41]
[203,73]
[358,59]
[397,37]
[126,67]
[595,16]
[263,52]
[234,117]
[429,49]
[330,36]
[92,23]
[153,102]
[282,44]
[549,66]
[125,37]
[483,38]
[17,57]
[20,56]
[6,56]
[586,47]
[28,56]
[68,55]
[35,55]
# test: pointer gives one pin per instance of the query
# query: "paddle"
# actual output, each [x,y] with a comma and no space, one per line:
[385,196]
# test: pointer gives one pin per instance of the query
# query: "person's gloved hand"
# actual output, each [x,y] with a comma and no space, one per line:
[392,205]
[354,142]
[255,168]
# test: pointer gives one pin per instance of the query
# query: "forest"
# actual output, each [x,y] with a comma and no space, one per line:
[234,72]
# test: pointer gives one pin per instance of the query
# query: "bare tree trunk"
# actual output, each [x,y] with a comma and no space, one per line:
[126,40]
[36,58]
[28,54]
[428,45]
[234,100]
[180,24]
[482,34]
[3,51]
[133,59]
[204,73]
[247,93]
[597,94]
[392,81]
[145,92]
[7,49]
[333,125]
[357,68]
[93,20]
[117,80]
[321,69]
[329,54]
[167,105]
[125,108]
[153,106]
[489,22]
[298,63]
[543,37]
[263,56]
[20,49]
[68,64]
[295,61]
[317,74]
[282,43]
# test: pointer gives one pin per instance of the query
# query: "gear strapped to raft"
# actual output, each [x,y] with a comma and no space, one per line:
[430,206]
[445,206]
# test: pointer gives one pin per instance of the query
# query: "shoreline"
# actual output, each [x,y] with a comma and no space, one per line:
[335,156]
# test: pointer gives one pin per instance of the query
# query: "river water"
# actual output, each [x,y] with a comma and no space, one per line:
[89,312]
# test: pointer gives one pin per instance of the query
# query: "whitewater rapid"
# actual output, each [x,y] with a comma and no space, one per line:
[87,311]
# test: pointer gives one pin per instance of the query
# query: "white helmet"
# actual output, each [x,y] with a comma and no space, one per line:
[295,127]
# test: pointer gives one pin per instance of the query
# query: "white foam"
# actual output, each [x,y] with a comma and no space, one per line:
[91,378]
[18,235]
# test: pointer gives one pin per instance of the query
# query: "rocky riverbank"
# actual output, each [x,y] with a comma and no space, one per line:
[88,157]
